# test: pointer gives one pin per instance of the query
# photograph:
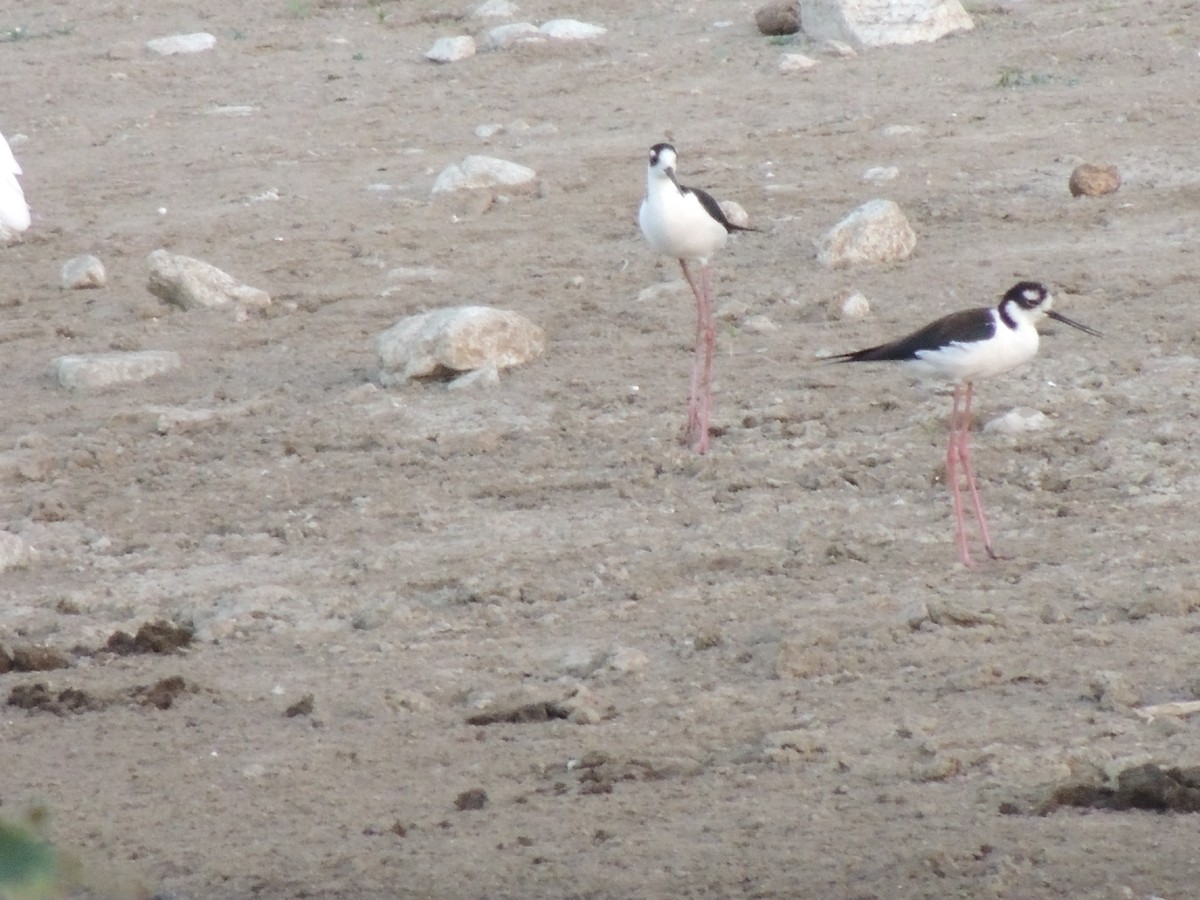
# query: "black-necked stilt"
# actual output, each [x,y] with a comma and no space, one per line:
[688,224]
[964,346]
[14,212]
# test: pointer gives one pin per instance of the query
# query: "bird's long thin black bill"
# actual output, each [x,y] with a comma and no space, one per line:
[1059,317]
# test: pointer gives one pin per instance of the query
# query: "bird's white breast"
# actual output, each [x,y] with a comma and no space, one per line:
[677,225]
[14,211]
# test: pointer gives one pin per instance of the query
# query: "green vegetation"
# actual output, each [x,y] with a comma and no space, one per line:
[1012,77]
[29,867]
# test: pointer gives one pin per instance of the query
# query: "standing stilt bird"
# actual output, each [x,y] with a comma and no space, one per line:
[688,224]
[962,347]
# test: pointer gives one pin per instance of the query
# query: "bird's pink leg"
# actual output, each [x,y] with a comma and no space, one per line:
[964,453]
[697,426]
[710,344]
[952,458]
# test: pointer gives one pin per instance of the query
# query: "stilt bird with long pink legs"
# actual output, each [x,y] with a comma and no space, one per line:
[687,224]
[964,347]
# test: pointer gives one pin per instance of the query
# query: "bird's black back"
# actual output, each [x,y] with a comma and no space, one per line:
[713,208]
[967,326]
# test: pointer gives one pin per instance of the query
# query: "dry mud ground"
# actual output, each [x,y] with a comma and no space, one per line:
[780,681]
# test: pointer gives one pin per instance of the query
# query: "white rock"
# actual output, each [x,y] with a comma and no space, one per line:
[488,130]
[626,660]
[838,49]
[1018,421]
[735,213]
[459,339]
[97,370]
[83,272]
[900,130]
[879,174]
[231,111]
[876,23]
[496,9]
[451,49]
[572,30]
[476,172]
[182,43]
[876,232]
[854,306]
[190,283]
[580,662]
[14,551]
[410,274]
[759,324]
[503,36]
[795,62]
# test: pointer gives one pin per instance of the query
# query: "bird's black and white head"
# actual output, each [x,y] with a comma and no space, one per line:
[662,163]
[1030,301]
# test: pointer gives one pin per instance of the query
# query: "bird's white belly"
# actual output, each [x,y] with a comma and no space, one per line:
[968,362]
[14,213]
[678,226]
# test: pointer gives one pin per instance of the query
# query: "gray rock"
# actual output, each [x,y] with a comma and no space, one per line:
[735,213]
[504,36]
[572,30]
[1112,692]
[97,370]
[837,49]
[83,272]
[496,9]
[458,339]
[878,23]
[876,232]
[850,306]
[795,62]
[1018,421]
[14,551]
[880,174]
[415,274]
[451,49]
[483,172]
[189,283]
[182,43]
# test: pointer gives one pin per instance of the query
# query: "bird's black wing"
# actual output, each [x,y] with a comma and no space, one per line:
[966,326]
[713,208]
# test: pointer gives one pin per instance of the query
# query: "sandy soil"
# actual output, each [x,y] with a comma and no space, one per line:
[760,673]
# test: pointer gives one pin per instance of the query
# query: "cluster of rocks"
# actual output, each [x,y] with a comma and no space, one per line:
[456,48]
[465,345]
